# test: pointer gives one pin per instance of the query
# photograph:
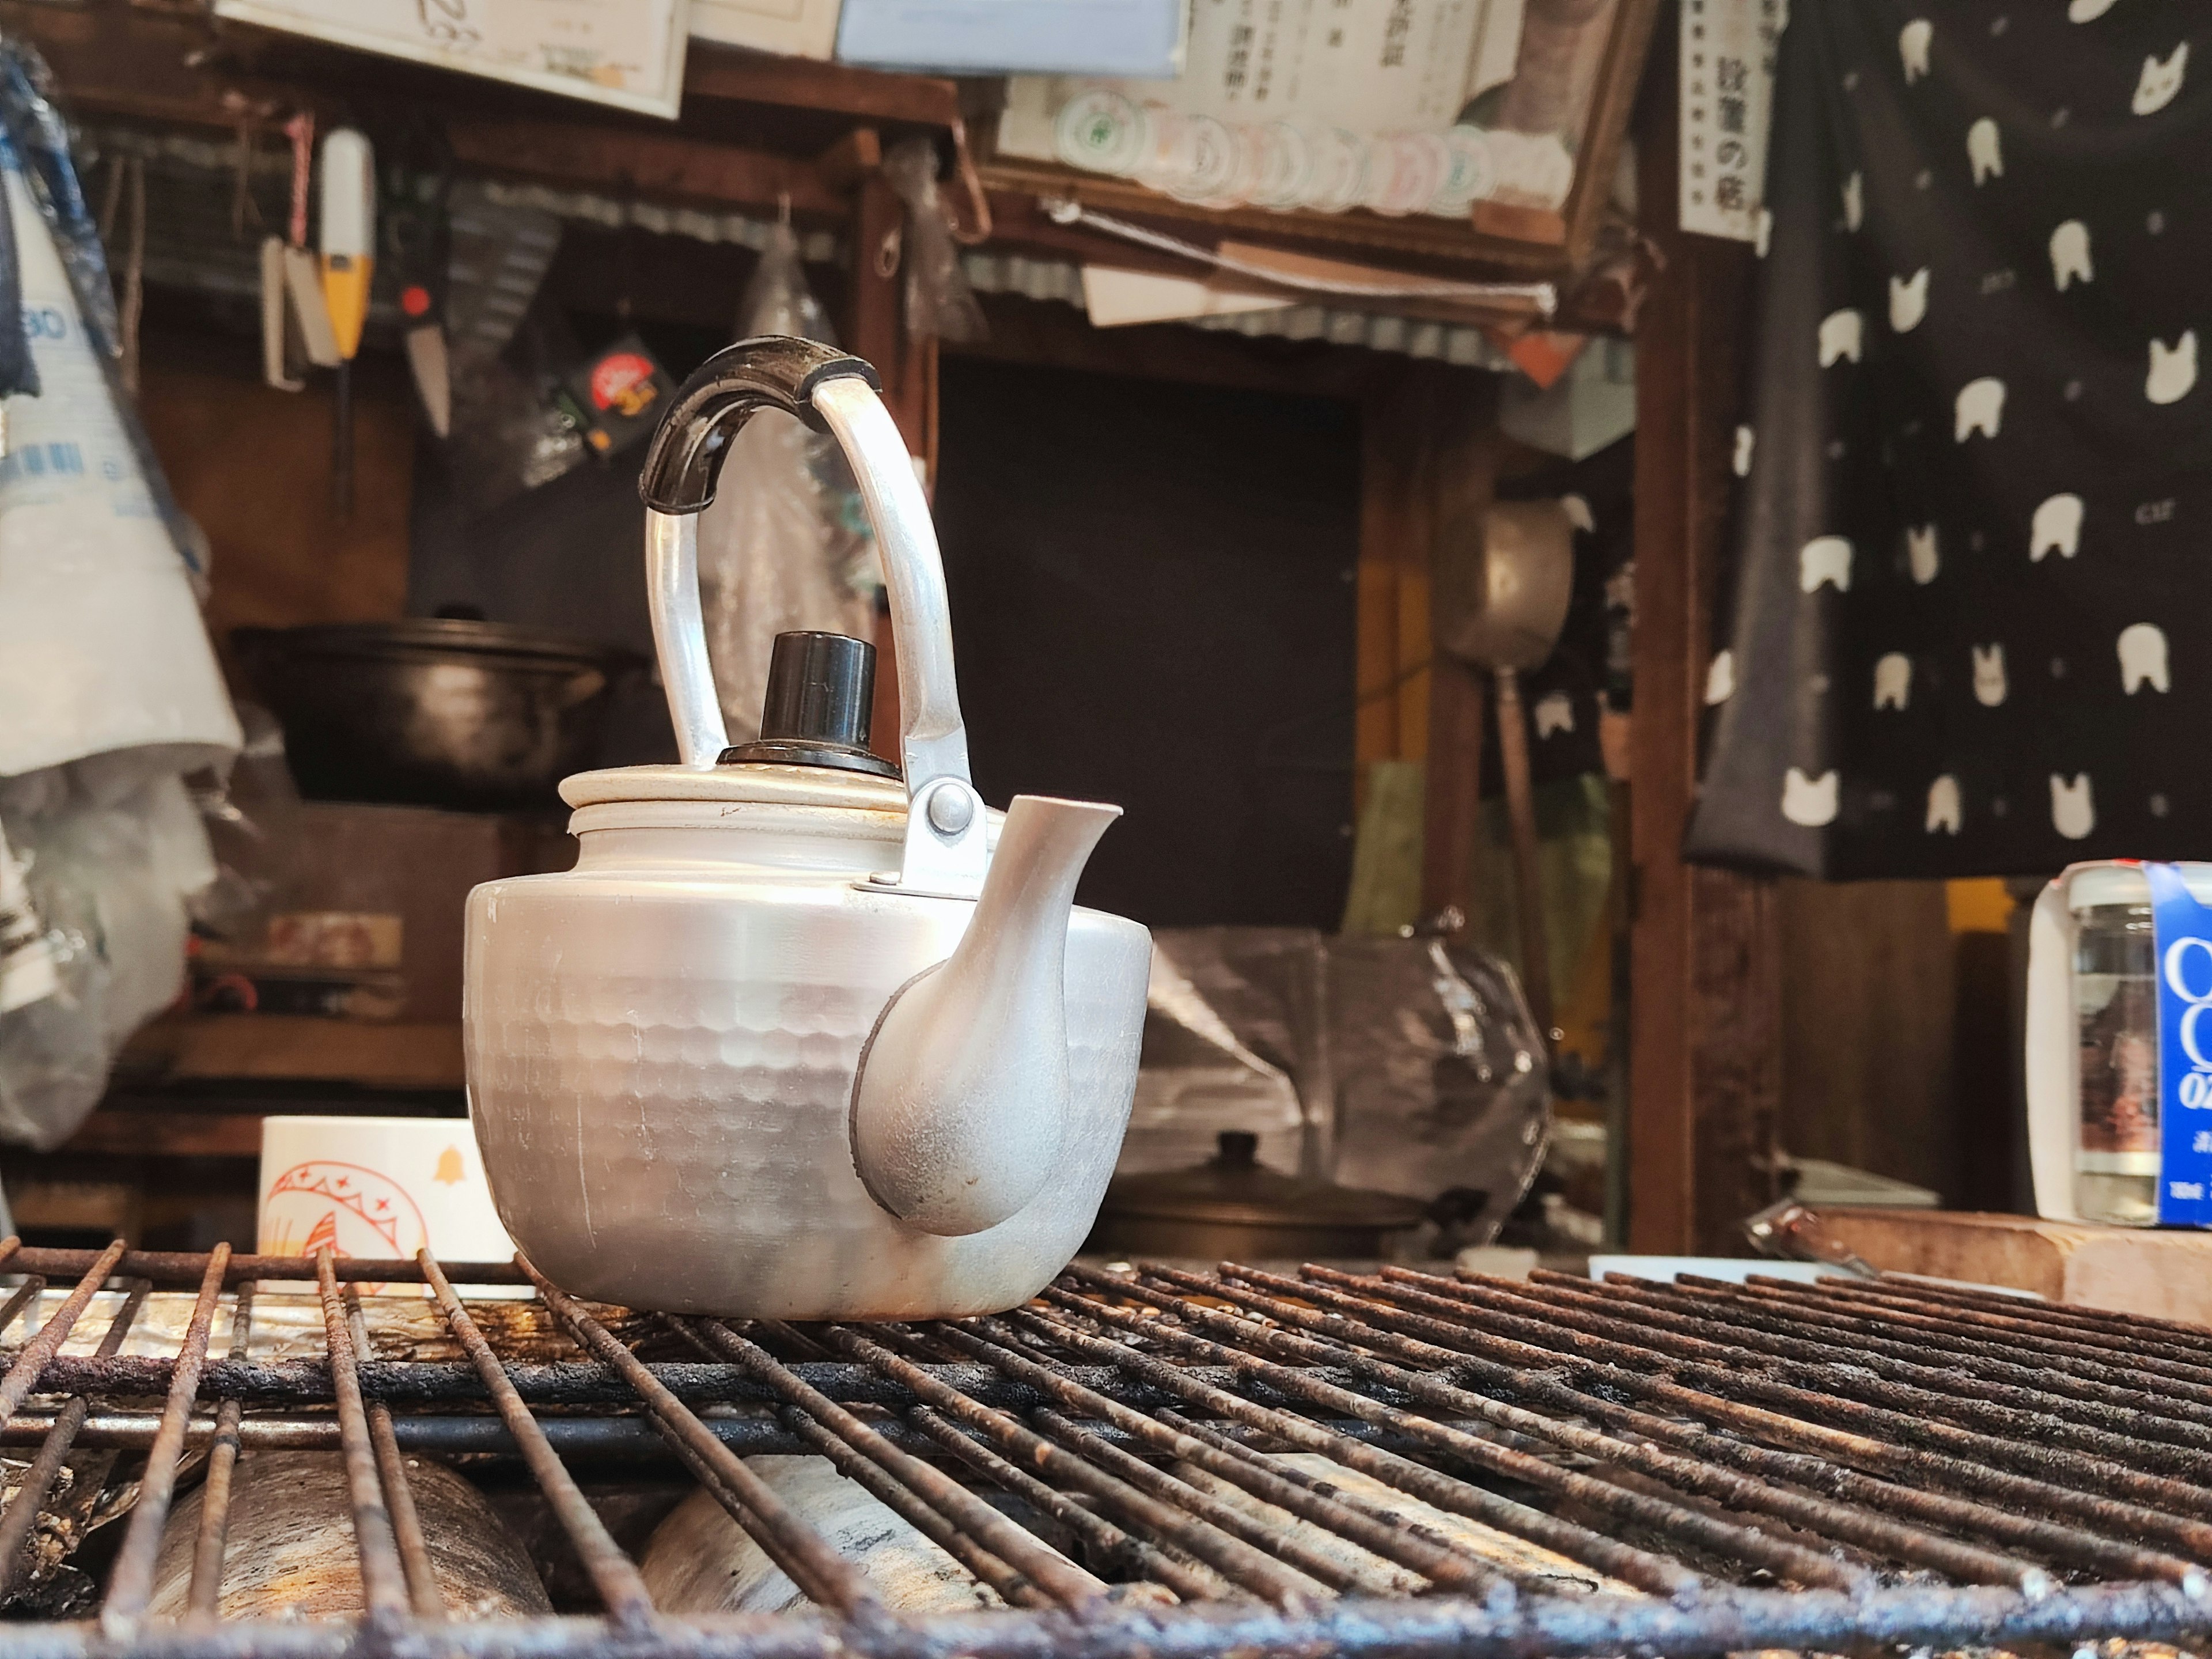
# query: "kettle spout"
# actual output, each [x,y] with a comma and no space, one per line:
[961,1099]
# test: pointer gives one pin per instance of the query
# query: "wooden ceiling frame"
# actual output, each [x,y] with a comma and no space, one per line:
[118,59]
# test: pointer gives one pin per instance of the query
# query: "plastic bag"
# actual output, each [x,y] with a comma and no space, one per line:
[108,686]
[40,156]
[939,303]
[102,857]
[1197,1078]
[1441,1086]
[252,816]
[508,349]
[101,645]
[508,436]
[786,544]
[1416,1066]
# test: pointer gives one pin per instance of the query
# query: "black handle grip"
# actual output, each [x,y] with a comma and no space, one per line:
[771,371]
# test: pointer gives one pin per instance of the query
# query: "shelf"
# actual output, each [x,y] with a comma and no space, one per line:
[297,1048]
[168,1134]
[745,138]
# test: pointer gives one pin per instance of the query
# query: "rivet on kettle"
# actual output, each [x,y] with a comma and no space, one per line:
[952,809]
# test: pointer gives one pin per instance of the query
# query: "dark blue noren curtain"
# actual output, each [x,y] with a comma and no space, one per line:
[1967,627]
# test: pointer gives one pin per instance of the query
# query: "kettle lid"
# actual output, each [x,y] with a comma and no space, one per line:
[760,784]
[813,750]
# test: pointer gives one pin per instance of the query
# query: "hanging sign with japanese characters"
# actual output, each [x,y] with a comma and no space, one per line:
[1728,96]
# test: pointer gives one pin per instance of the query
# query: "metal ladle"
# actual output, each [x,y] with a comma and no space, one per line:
[1509,573]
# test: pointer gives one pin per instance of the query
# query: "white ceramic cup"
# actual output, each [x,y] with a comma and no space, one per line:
[378,1188]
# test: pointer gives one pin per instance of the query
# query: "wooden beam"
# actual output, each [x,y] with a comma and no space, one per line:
[646,164]
[113,60]
[1705,1041]
[875,326]
[851,159]
[751,77]
[299,1048]
[1377,659]
[1462,479]
[122,1133]
[1452,801]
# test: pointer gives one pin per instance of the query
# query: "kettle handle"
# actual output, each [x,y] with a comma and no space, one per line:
[834,393]
[693,439]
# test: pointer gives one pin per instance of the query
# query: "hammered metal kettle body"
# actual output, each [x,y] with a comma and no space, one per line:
[795,1039]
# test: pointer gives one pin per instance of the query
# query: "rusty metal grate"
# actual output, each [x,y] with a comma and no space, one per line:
[1556,1467]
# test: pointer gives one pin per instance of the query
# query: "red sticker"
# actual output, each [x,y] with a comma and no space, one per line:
[615,379]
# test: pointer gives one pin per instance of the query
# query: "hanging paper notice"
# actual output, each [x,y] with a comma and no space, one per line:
[629,53]
[1728,99]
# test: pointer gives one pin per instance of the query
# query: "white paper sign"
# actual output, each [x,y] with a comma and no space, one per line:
[629,53]
[793,28]
[1366,65]
[1727,102]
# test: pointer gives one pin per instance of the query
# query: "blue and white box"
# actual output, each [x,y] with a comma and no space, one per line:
[1141,40]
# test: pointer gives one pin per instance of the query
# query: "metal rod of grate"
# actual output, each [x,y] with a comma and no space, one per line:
[1396,1461]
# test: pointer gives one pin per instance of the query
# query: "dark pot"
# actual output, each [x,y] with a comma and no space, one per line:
[1234,1206]
[432,711]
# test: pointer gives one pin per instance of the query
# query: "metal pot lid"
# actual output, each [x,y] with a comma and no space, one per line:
[1234,1187]
[447,637]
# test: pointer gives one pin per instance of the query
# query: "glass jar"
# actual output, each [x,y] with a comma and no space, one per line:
[2116,1158]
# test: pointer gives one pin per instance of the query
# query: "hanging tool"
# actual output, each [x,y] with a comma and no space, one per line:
[278,332]
[127,173]
[418,240]
[1508,574]
[295,323]
[349,256]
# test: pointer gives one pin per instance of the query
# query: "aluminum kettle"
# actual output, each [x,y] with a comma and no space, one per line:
[796,1039]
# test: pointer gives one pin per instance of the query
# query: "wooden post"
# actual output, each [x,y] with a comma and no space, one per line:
[1429,456]
[1379,671]
[1705,1041]
[875,329]
[1452,800]
[1461,483]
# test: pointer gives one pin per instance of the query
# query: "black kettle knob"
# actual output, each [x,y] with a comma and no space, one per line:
[821,693]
